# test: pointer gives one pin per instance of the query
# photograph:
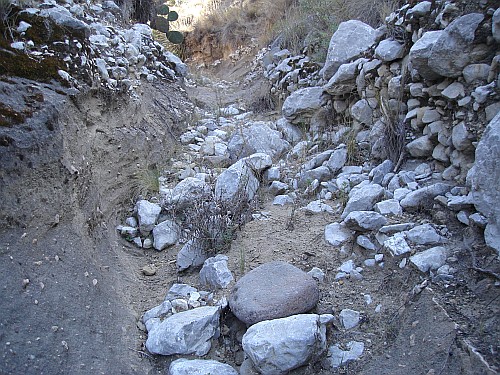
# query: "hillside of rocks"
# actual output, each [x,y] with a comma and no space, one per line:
[261,214]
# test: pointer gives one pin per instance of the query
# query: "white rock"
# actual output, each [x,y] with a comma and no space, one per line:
[316,207]
[364,221]
[303,103]
[184,366]
[351,40]
[280,345]
[147,214]
[397,245]
[215,272]
[165,234]
[338,357]
[337,234]
[389,50]
[430,259]
[363,198]
[236,183]
[188,332]
[192,254]
[424,234]
[390,207]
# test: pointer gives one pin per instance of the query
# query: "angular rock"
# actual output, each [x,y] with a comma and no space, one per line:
[363,198]
[179,291]
[187,332]
[337,234]
[147,213]
[430,259]
[350,41]
[184,366]
[453,91]
[389,50]
[192,254]
[364,221]
[420,53]
[483,179]
[236,183]
[421,147]
[281,200]
[277,187]
[186,192]
[291,132]
[420,9]
[165,234]
[280,345]
[316,207]
[273,290]
[460,137]
[424,234]
[157,312]
[338,159]
[338,357]
[258,161]
[215,272]
[303,103]
[451,52]
[424,197]
[363,112]
[256,137]
[378,173]
[365,243]
[349,318]
[495,25]
[389,207]
[396,245]
[476,73]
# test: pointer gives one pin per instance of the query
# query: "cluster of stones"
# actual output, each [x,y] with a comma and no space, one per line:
[95,49]
[273,301]
[437,88]
[288,73]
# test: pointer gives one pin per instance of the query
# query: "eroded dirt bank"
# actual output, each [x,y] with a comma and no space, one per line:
[70,288]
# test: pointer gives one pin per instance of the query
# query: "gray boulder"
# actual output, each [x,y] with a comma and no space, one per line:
[192,254]
[177,291]
[256,137]
[420,53]
[316,207]
[258,161]
[215,272]
[363,198]
[452,51]
[238,182]
[424,197]
[291,132]
[184,366]
[430,259]
[165,234]
[378,173]
[421,147]
[156,312]
[483,179]
[273,290]
[187,332]
[424,234]
[389,50]
[303,103]
[363,221]
[280,345]
[147,213]
[350,41]
[389,207]
[186,192]
[363,112]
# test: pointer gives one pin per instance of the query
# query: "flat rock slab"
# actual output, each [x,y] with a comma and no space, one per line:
[183,366]
[273,290]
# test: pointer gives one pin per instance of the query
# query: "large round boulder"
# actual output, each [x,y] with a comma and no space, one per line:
[273,290]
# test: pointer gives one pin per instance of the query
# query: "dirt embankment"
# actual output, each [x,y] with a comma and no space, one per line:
[68,170]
